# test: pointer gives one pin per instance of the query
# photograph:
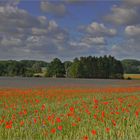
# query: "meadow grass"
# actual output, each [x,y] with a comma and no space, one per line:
[69,114]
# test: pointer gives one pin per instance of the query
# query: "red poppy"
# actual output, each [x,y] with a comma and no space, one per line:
[21,123]
[107,129]
[93,132]
[43,107]
[94,116]
[8,126]
[74,124]
[58,120]
[53,130]
[85,138]
[72,109]
[37,101]
[95,101]
[114,122]
[106,103]
[60,128]
[35,120]
[36,111]
[103,114]
[24,111]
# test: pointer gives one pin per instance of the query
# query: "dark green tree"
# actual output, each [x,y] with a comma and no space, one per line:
[56,68]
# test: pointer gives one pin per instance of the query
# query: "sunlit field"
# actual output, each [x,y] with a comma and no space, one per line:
[132,76]
[66,113]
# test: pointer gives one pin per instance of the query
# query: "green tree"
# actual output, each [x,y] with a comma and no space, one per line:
[56,68]
[36,67]
[74,70]
[67,65]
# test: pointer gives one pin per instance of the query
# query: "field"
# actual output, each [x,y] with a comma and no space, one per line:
[132,76]
[84,110]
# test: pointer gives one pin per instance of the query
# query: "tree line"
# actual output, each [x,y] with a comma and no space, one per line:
[24,68]
[131,66]
[83,67]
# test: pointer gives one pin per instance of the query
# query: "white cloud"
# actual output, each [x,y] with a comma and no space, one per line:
[132,2]
[12,3]
[23,35]
[123,15]
[98,29]
[126,49]
[52,25]
[57,9]
[11,42]
[43,20]
[94,40]
[133,31]
[38,31]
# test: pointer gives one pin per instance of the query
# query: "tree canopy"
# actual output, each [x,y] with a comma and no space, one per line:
[56,68]
[25,68]
[131,66]
[94,67]
[83,67]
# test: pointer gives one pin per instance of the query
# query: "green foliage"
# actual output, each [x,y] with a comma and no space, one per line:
[85,67]
[94,67]
[131,66]
[74,70]
[56,68]
[67,65]
[25,68]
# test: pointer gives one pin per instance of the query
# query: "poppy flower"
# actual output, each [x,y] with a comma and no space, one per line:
[35,120]
[85,138]
[93,132]
[107,129]
[21,123]
[8,126]
[74,124]
[58,120]
[60,128]
[94,116]
[72,109]
[53,130]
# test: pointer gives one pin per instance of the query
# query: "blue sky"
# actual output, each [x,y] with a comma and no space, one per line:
[81,13]
[45,29]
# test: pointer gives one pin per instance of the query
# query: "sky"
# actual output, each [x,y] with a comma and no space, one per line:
[46,29]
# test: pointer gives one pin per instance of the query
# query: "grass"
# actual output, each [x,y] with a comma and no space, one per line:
[132,76]
[70,114]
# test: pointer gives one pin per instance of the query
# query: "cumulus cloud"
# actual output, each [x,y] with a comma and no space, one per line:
[22,34]
[133,30]
[98,29]
[55,8]
[94,40]
[14,20]
[123,15]
[126,49]
[126,15]
[132,2]
[13,3]
[96,34]
[11,41]
[83,49]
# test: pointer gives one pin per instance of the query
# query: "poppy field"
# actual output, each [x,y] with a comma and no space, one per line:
[70,113]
